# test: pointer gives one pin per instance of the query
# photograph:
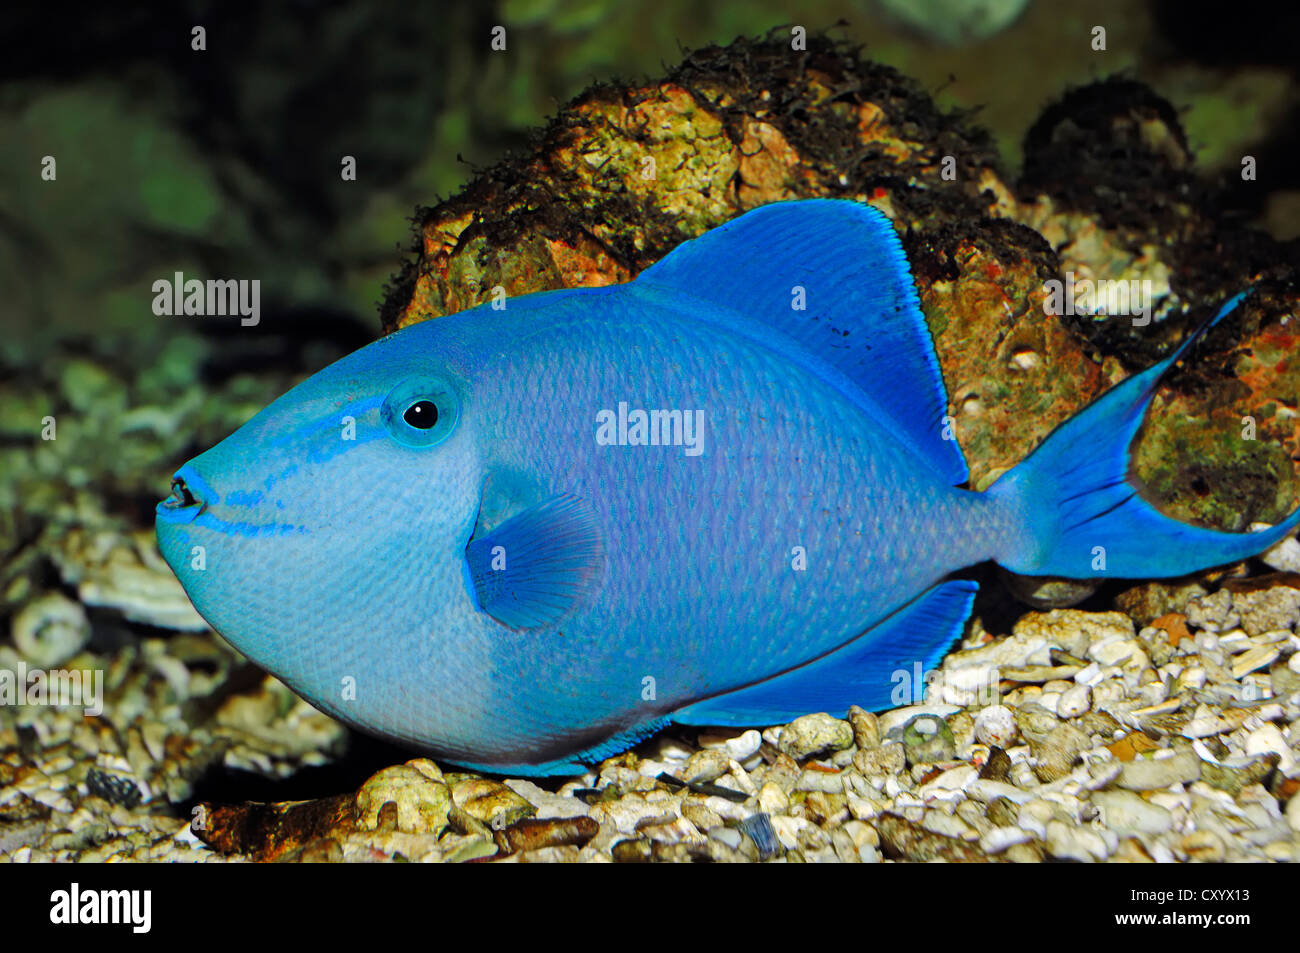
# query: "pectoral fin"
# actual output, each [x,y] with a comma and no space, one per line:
[531,570]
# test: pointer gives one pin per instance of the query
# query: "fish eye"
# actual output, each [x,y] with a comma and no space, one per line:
[421,415]
[420,412]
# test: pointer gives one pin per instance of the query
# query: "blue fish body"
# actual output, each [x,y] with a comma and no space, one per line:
[723,493]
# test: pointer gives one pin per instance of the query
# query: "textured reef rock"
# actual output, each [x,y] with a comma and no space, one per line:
[624,173]
[412,811]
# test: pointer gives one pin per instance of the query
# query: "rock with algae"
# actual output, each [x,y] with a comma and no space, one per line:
[624,173]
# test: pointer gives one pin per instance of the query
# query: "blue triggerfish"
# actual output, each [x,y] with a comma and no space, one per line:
[524,538]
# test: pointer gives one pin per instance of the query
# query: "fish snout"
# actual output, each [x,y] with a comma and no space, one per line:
[189,497]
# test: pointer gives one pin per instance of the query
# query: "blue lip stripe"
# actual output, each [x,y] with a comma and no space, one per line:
[208,520]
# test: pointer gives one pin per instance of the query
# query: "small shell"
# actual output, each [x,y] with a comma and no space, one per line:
[50,630]
[995,726]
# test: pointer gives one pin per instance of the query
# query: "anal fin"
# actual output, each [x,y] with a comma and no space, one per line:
[860,673]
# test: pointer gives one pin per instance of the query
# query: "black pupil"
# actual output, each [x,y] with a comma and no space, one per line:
[421,415]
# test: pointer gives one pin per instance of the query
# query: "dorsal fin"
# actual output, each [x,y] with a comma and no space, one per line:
[861,312]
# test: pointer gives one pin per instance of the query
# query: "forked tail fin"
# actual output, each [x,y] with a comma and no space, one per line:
[1082,515]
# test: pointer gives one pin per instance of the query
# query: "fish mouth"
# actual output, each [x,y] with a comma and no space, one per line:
[189,497]
[194,504]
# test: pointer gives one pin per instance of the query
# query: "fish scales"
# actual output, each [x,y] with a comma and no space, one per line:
[829,480]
